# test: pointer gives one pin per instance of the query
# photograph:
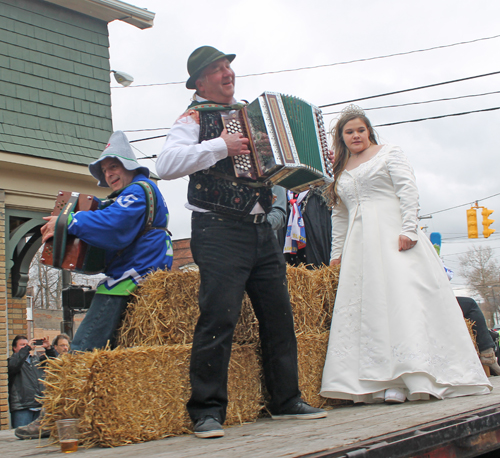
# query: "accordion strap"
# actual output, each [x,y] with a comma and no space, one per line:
[61,230]
[150,207]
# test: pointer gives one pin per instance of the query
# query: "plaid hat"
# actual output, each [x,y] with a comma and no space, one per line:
[200,59]
[119,148]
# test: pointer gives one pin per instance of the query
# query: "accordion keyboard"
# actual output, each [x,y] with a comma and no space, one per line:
[243,164]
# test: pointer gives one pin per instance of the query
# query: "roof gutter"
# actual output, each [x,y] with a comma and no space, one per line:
[110,10]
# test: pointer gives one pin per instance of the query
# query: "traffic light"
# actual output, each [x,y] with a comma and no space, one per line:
[486,222]
[472,223]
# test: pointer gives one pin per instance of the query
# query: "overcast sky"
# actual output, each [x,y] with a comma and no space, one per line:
[455,158]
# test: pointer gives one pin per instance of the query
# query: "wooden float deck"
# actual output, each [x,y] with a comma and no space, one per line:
[345,426]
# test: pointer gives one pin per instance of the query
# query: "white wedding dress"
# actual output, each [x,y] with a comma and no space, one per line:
[396,322]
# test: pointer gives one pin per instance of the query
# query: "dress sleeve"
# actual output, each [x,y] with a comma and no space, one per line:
[405,187]
[340,222]
[182,154]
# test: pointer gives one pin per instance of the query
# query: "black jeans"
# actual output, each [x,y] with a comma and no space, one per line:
[235,256]
[471,310]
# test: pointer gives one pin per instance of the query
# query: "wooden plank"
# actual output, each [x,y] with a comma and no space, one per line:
[292,438]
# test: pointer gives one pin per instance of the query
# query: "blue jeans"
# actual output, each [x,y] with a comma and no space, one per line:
[234,257]
[100,323]
[23,417]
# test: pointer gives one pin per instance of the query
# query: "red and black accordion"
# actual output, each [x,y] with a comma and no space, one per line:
[287,141]
[65,251]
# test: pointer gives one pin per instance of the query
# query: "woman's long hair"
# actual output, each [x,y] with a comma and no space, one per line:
[341,153]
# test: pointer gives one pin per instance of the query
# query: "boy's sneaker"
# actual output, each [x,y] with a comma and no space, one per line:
[32,431]
[208,427]
[300,411]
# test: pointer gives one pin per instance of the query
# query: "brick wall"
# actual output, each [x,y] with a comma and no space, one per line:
[182,253]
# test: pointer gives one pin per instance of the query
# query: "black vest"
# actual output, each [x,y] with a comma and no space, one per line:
[214,190]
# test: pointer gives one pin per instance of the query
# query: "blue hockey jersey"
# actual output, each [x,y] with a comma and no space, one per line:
[115,229]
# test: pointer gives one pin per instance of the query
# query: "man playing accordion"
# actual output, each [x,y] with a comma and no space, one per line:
[131,249]
[235,248]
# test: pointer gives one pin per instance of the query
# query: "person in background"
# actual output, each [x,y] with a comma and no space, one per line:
[277,215]
[474,314]
[235,248]
[33,430]
[484,342]
[61,344]
[317,221]
[396,331]
[25,374]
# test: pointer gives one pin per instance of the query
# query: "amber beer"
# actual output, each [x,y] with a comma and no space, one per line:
[69,445]
[67,430]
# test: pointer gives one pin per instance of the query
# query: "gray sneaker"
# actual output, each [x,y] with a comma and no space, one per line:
[300,411]
[32,431]
[208,427]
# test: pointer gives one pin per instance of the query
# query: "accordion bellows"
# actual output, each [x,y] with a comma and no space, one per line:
[287,142]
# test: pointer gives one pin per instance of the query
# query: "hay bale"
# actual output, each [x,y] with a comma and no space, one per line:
[470,327]
[327,281]
[311,350]
[308,290]
[244,386]
[67,392]
[164,310]
[139,394]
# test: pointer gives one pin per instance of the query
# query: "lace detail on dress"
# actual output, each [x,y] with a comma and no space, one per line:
[349,315]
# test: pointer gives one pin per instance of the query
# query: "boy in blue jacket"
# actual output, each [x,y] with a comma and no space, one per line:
[132,250]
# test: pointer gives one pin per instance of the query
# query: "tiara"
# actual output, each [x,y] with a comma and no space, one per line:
[352,109]
[348,110]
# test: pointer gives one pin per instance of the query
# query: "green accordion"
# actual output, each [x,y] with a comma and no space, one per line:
[287,140]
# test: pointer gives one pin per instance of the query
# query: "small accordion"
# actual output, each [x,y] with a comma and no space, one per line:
[65,251]
[287,142]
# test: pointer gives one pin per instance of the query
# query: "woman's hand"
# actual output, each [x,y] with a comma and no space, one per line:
[335,262]
[405,243]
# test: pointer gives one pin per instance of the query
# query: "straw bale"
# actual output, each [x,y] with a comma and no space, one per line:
[470,327]
[67,392]
[312,294]
[311,350]
[327,281]
[139,394]
[164,310]
[245,391]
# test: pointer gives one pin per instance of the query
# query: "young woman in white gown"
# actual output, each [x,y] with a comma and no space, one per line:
[397,331]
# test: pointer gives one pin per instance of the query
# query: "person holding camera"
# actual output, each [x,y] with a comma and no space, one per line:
[25,373]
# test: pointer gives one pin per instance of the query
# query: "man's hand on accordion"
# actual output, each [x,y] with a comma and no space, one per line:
[236,143]
[48,229]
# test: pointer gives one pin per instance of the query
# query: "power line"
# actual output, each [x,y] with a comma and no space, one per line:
[147,130]
[148,138]
[409,90]
[462,205]
[418,103]
[437,117]
[329,65]
[378,125]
